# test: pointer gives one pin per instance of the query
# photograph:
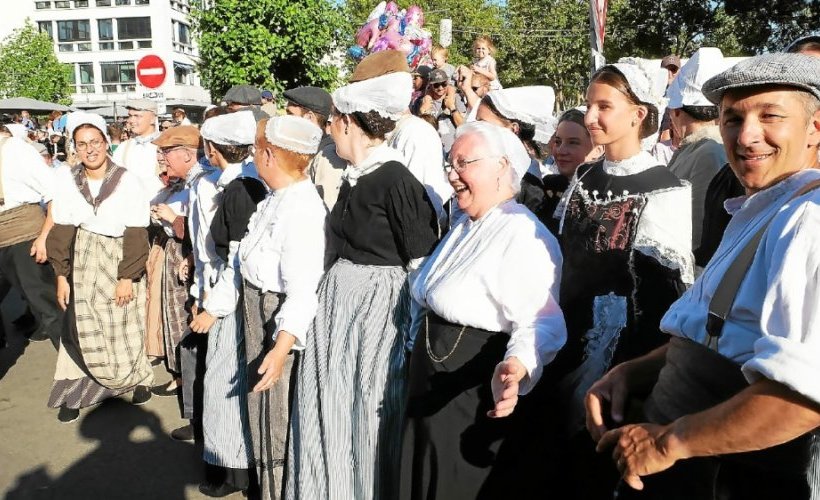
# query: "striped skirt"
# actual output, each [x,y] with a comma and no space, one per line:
[225,429]
[350,388]
[102,350]
[268,410]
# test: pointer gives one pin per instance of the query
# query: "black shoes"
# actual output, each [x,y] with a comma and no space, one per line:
[142,394]
[217,490]
[163,391]
[67,415]
[184,433]
[39,336]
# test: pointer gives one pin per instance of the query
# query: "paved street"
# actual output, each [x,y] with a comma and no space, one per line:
[114,451]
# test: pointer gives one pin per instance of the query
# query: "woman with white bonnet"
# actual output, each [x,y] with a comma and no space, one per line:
[521,110]
[282,261]
[351,381]
[626,236]
[98,248]
[490,290]
[228,140]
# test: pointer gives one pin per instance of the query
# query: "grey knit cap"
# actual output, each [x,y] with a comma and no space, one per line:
[778,68]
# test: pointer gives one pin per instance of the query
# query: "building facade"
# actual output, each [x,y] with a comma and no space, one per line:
[104,40]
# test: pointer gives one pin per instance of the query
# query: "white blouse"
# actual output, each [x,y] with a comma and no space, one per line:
[126,207]
[177,201]
[499,273]
[773,327]
[283,252]
[139,155]
[26,178]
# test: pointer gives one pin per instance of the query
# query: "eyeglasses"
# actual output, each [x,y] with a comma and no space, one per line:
[439,84]
[95,144]
[167,151]
[460,165]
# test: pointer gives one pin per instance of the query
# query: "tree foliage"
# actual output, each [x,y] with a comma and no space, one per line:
[274,44]
[31,69]
[548,50]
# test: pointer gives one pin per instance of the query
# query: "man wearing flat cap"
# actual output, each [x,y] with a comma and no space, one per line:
[734,397]
[326,168]
[138,154]
[242,96]
[178,147]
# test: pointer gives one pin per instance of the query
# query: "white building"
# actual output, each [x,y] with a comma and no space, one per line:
[104,40]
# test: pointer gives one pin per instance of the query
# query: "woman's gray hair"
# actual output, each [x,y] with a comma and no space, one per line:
[500,142]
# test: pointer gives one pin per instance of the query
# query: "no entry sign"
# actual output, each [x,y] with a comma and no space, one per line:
[151,71]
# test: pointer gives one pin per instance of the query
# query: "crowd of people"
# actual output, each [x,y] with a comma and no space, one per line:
[427,286]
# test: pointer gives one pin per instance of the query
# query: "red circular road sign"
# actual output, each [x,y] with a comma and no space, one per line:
[151,71]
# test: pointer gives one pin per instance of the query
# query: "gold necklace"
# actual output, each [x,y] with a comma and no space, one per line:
[430,350]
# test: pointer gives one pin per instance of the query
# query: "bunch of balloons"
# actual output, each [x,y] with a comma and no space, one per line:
[387,28]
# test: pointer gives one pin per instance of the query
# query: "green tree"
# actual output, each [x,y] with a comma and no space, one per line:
[31,69]
[274,44]
[548,44]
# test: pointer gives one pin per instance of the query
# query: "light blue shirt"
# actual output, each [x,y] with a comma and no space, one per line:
[773,328]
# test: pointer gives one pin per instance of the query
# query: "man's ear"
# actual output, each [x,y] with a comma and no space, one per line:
[813,130]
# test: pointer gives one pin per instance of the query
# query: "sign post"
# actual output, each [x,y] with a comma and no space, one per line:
[597,32]
[151,74]
[151,71]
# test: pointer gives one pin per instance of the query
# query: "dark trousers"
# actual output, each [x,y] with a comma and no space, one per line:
[193,349]
[37,284]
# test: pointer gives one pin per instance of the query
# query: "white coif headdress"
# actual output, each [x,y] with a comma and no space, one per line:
[502,141]
[294,134]
[644,85]
[233,129]
[685,90]
[388,95]
[77,118]
[532,105]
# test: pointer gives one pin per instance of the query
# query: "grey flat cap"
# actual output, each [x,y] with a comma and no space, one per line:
[778,68]
[243,94]
[142,105]
[312,98]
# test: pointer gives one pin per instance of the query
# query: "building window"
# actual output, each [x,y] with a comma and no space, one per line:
[105,29]
[46,27]
[118,77]
[74,36]
[73,31]
[106,45]
[132,28]
[80,3]
[183,74]
[122,2]
[63,5]
[142,2]
[103,3]
[42,5]
[184,34]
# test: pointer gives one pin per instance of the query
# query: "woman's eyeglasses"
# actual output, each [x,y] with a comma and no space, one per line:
[460,165]
[95,144]
[438,84]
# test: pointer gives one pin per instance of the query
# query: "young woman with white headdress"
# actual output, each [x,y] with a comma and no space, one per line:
[625,231]
[227,443]
[98,248]
[282,261]
[351,381]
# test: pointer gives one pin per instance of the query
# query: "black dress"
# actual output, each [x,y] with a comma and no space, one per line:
[613,293]
[379,222]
